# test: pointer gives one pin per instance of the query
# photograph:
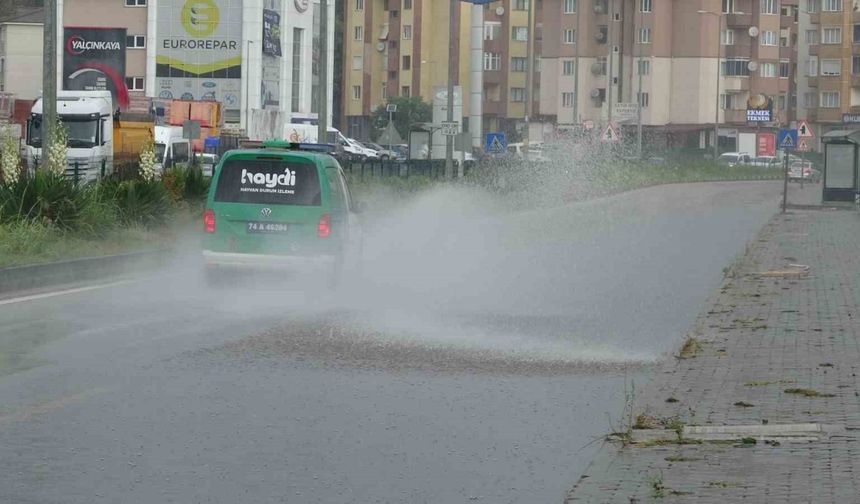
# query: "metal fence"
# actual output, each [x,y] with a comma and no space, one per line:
[434,169]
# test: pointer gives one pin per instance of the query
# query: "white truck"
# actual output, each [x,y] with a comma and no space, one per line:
[88,119]
[309,133]
[170,147]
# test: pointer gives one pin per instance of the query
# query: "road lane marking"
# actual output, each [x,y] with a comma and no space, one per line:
[64,292]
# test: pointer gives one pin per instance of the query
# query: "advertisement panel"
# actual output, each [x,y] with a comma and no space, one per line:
[766,145]
[94,60]
[199,53]
[270,85]
[760,108]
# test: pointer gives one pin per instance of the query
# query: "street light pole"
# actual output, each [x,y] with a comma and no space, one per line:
[248,89]
[639,95]
[452,38]
[717,111]
[322,94]
[49,76]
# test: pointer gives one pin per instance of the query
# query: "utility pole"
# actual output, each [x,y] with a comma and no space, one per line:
[322,119]
[576,66]
[452,44]
[609,42]
[639,92]
[49,75]
[529,74]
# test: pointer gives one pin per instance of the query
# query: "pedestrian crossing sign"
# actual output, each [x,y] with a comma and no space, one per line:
[787,140]
[496,143]
[610,134]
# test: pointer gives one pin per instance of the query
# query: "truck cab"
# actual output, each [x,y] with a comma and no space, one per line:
[170,148]
[88,119]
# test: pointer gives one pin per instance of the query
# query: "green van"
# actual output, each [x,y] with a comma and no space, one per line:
[283,206]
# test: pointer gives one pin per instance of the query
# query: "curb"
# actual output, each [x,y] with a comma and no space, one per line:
[39,276]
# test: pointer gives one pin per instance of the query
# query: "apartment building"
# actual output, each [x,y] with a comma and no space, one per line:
[666,55]
[829,67]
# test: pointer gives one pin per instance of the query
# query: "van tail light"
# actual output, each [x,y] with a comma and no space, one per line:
[324,226]
[209,220]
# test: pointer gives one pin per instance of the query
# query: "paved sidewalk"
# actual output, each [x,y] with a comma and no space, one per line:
[761,337]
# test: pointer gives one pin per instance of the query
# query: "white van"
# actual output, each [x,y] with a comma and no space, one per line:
[309,133]
[170,148]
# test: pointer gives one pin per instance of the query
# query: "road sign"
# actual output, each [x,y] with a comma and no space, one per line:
[391,108]
[496,143]
[450,128]
[626,111]
[588,124]
[610,134]
[191,130]
[802,145]
[803,129]
[787,139]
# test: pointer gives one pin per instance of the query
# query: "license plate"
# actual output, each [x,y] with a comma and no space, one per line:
[256,227]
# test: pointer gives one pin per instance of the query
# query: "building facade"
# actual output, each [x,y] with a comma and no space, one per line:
[21,55]
[688,63]
[247,54]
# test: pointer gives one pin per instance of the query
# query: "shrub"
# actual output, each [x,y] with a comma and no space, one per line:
[138,201]
[47,198]
[186,183]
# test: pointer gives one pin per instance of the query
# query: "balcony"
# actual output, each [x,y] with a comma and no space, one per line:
[815,18]
[493,107]
[736,84]
[855,17]
[855,80]
[813,50]
[812,81]
[737,51]
[492,77]
[854,109]
[494,46]
[738,20]
[786,21]
[829,115]
[735,116]
[787,53]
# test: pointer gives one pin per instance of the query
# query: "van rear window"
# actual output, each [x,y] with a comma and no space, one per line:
[268,182]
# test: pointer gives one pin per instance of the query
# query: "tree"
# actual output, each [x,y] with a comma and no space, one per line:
[410,110]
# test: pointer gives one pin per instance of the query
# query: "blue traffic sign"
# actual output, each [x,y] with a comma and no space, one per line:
[787,139]
[496,143]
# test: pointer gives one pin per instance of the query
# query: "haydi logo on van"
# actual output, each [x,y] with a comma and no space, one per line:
[270,181]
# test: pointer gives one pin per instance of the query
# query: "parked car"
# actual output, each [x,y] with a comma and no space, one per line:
[282,207]
[766,162]
[803,171]
[382,152]
[365,152]
[734,159]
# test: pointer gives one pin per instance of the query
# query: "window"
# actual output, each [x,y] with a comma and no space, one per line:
[384,92]
[727,101]
[492,31]
[407,63]
[567,67]
[356,92]
[829,99]
[783,39]
[857,34]
[728,6]
[644,5]
[768,6]
[537,62]
[135,3]
[407,4]
[600,65]
[810,99]
[767,70]
[358,33]
[727,37]
[784,69]
[831,67]
[518,94]
[855,65]
[643,67]
[135,42]
[813,6]
[831,35]
[520,33]
[768,38]
[812,37]
[831,5]
[521,4]
[644,35]
[519,64]
[644,99]
[134,83]
[812,66]
[404,91]
[359,4]
[357,62]
[780,102]
[407,32]
[569,36]
[736,67]
[569,6]
[567,100]
[492,61]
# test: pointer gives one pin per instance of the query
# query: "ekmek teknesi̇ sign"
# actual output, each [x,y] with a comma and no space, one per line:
[760,108]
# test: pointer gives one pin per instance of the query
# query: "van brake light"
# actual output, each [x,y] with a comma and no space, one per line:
[209,220]
[324,226]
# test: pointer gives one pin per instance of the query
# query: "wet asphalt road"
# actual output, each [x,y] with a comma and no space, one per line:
[161,390]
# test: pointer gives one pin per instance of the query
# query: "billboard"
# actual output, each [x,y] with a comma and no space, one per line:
[199,51]
[766,144]
[94,60]
[270,84]
[759,108]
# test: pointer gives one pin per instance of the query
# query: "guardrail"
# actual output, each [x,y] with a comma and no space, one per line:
[434,169]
